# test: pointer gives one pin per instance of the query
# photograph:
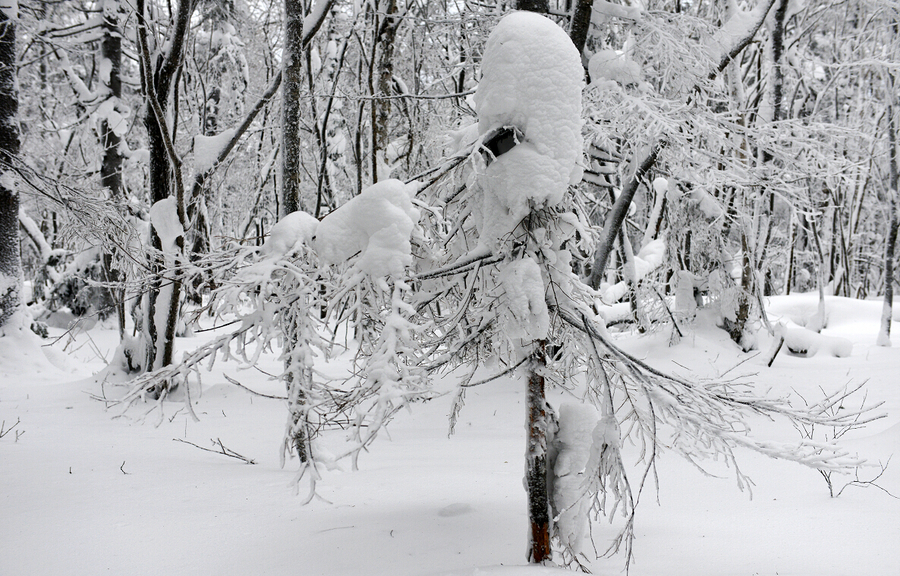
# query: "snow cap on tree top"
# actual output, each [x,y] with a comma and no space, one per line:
[532,79]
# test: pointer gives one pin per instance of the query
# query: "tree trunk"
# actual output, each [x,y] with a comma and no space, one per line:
[10,262]
[291,82]
[111,166]
[884,334]
[159,76]
[581,24]
[388,22]
[539,6]
[536,461]
[616,217]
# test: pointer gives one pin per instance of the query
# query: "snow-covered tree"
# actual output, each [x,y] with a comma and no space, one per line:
[10,263]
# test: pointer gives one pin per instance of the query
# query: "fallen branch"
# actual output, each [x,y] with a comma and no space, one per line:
[222,450]
[4,430]
[254,392]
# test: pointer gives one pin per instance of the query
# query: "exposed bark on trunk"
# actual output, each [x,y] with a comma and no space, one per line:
[538,425]
[386,32]
[296,38]
[737,329]
[159,79]
[291,83]
[884,334]
[539,6]
[581,23]
[792,235]
[111,166]
[10,262]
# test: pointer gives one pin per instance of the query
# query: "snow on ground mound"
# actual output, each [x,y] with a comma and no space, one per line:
[805,342]
[377,224]
[532,80]
[21,353]
[844,317]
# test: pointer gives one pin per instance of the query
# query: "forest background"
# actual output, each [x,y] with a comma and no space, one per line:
[733,152]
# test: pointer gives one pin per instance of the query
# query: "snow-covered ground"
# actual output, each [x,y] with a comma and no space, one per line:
[83,492]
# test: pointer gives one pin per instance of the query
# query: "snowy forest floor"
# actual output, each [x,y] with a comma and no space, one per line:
[85,493]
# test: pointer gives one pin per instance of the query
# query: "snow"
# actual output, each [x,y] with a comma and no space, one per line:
[377,224]
[86,493]
[10,9]
[525,315]
[603,9]
[614,66]
[296,227]
[164,217]
[805,342]
[315,16]
[737,26]
[528,62]
[575,444]
[125,498]
[651,257]
[208,148]
[35,234]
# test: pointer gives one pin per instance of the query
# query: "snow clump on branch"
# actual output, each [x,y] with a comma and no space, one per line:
[377,224]
[532,81]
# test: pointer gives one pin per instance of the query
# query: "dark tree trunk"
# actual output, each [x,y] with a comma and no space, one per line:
[539,6]
[616,217]
[884,336]
[581,23]
[291,83]
[159,77]
[539,422]
[387,24]
[111,166]
[10,263]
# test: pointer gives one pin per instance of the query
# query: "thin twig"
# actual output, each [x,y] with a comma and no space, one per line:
[239,385]
[222,450]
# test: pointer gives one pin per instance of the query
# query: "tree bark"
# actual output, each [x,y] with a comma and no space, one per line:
[111,165]
[581,23]
[536,462]
[291,83]
[539,6]
[158,78]
[10,261]
[884,335]
[386,32]
[296,39]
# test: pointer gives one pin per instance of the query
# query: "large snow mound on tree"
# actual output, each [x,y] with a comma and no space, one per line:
[377,224]
[532,79]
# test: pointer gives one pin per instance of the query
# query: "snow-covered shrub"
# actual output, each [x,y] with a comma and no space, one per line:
[82,287]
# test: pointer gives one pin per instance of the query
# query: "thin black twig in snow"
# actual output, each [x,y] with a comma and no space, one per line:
[254,392]
[222,450]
